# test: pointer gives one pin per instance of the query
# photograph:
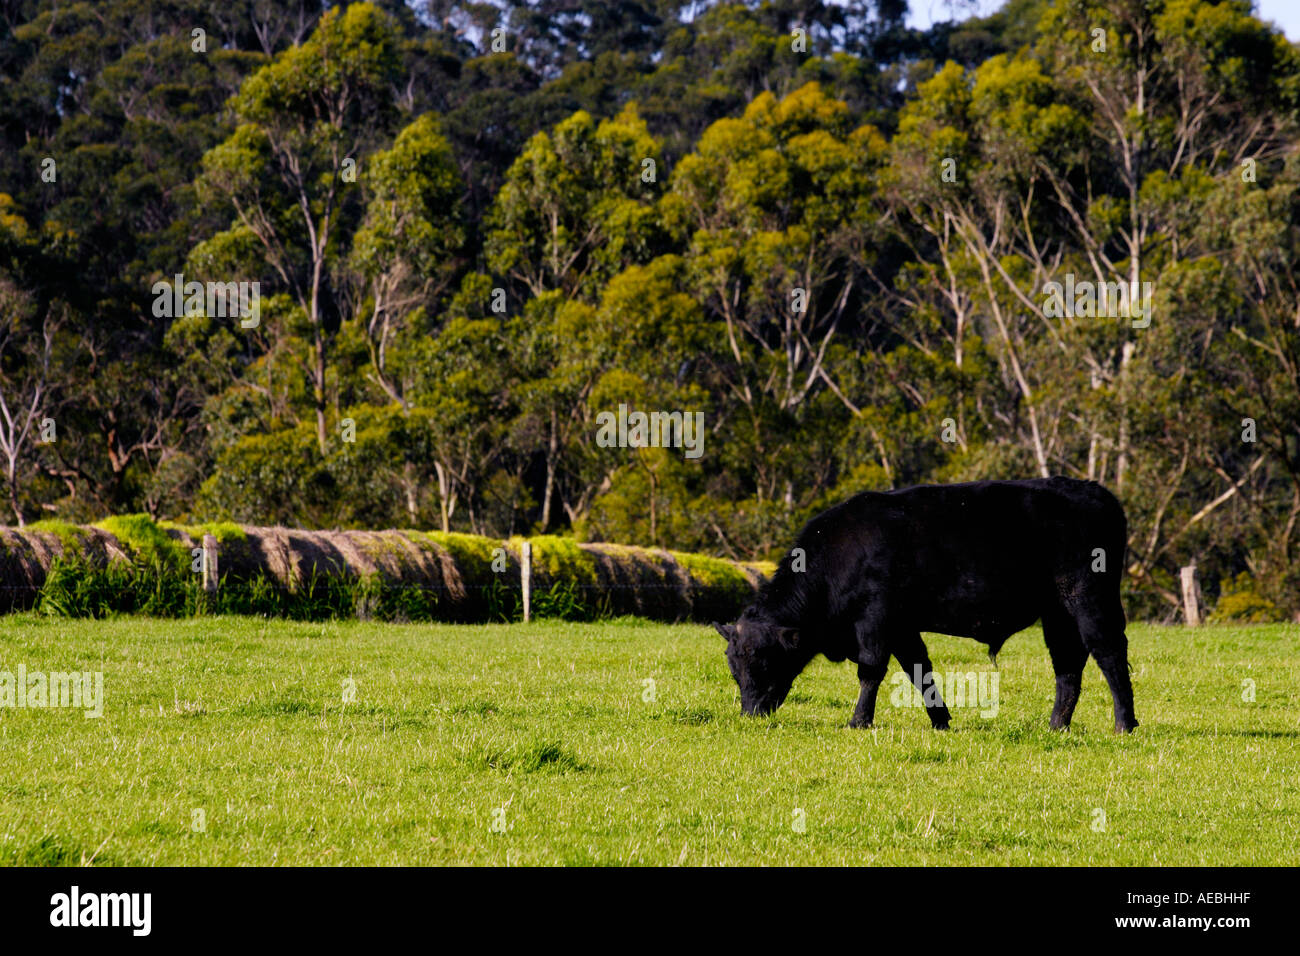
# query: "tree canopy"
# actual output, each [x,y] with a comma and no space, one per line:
[1061,239]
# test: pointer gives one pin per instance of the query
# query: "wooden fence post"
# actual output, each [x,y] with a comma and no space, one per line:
[526,576]
[210,577]
[1191,596]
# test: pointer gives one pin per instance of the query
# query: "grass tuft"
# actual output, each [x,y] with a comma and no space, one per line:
[536,757]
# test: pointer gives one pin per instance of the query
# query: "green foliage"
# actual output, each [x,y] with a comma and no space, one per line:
[469,551]
[716,585]
[574,208]
[1240,603]
[275,479]
[564,600]
[713,572]
[226,532]
[76,587]
[840,256]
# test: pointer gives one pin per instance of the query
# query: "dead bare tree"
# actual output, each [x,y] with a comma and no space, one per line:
[24,388]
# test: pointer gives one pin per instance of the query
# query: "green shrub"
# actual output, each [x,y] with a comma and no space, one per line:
[76,587]
[1239,602]
[715,574]
[719,589]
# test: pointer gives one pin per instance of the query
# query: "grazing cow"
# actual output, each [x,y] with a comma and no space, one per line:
[981,560]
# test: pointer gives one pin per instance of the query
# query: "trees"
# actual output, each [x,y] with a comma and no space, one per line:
[352,265]
[300,118]
[24,394]
[576,207]
[865,268]
[777,211]
[1103,155]
[104,111]
[406,245]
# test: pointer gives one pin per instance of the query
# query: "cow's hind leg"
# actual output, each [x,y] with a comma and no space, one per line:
[1100,621]
[910,651]
[1068,657]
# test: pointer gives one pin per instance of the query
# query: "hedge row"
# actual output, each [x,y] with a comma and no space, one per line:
[132,564]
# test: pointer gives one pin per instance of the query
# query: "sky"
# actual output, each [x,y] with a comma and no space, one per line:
[921,13]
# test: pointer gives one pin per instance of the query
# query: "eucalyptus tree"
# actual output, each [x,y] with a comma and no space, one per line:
[287,172]
[778,211]
[1057,201]
[577,207]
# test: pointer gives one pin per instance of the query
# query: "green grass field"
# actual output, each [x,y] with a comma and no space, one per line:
[545,744]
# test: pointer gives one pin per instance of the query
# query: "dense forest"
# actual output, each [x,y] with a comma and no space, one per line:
[1058,240]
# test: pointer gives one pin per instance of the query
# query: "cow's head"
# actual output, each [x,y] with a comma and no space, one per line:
[765,659]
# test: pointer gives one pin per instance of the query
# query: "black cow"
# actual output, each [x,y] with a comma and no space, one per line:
[982,560]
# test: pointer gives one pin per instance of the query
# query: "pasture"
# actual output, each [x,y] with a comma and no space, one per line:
[235,740]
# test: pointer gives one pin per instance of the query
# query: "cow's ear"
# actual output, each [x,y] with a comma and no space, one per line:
[727,631]
[788,637]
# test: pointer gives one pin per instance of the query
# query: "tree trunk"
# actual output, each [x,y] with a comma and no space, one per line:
[13,499]
[322,436]
[552,452]
[1121,457]
[443,491]
[408,483]
[654,530]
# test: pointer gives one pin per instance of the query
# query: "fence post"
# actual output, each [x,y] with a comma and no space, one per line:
[1191,596]
[210,577]
[526,576]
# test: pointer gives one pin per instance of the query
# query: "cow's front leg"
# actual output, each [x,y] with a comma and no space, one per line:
[869,677]
[915,660]
[1068,687]
[873,657]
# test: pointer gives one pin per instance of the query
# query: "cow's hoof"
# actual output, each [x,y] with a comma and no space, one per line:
[859,724]
[1059,725]
[942,726]
[1126,728]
